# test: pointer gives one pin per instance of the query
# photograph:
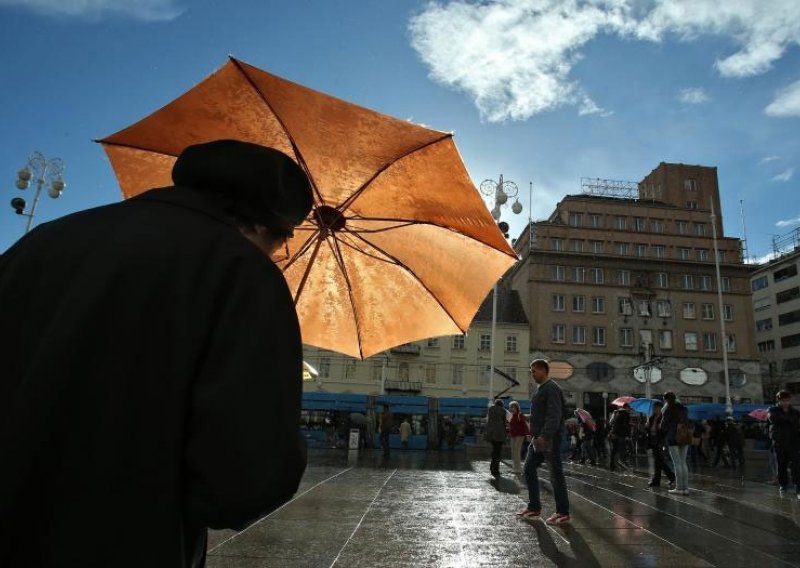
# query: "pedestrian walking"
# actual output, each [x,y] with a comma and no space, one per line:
[600,435]
[677,433]
[587,445]
[405,433]
[735,442]
[719,435]
[158,392]
[655,439]
[387,423]
[784,422]
[620,431]
[519,433]
[547,429]
[495,434]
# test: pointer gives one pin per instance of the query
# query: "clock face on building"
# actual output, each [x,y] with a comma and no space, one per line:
[693,376]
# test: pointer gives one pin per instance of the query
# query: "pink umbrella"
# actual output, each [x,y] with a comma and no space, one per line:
[586,418]
[623,400]
[759,413]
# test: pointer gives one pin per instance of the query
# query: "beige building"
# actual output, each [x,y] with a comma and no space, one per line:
[623,274]
[451,366]
[776,311]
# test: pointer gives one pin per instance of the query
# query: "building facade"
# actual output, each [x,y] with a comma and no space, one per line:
[620,287]
[776,313]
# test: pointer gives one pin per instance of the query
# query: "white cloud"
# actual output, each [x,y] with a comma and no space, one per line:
[693,96]
[785,175]
[761,259]
[147,10]
[786,102]
[767,159]
[514,57]
[788,222]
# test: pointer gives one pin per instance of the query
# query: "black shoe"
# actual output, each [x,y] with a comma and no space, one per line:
[654,484]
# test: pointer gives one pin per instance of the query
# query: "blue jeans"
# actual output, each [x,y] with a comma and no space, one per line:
[678,455]
[553,459]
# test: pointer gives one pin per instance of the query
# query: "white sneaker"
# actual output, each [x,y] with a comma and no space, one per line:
[676,491]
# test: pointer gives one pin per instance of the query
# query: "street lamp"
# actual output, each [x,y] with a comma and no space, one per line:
[501,191]
[42,172]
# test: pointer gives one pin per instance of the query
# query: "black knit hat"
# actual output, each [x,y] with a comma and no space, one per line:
[263,184]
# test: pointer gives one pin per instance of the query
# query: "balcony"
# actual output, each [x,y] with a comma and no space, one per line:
[403,386]
[406,349]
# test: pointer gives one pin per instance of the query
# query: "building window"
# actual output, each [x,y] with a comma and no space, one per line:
[626,337]
[625,306]
[558,332]
[433,343]
[725,284]
[575,219]
[597,275]
[700,229]
[787,295]
[784,273]
[759,283]
[691,204]
[595,221]
[578,274]
[684,253]
[790,341]
[559,273]
[376,371]
[599,336]
[704,282]
[761,304]
[576,245]
[578,303]
[624,277]
[791,364]
[640,250]
[688,282]
[621,223]
[721,256]
[557,244]
[483,376]
[730,343]
[640,224]
[663,308]
[727,312]
[511,343]
[659,251]
[558,302]
[599,371]
[664,339]
[403,372]
[708,311]
[662,280]
[579,335]
[598,305]
[458,342]
[485,342]
[622,249]
[325,367]
[658,225]
[596,246]
[643,308]
[458,374]
[702,254]
[682,226]
[766,346]
[764,324]
[690,184]
[789,318]
[430,374]
[688,310]
[690,341]
[710,341]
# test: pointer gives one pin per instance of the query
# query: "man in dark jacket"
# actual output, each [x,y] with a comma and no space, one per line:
[620,425]
[152,368]
[655,438]
[547,429]
[784,430]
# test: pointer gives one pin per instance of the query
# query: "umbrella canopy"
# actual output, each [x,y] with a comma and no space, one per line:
[399,246]
[623,400]
[584,416]
[644,405]
[759,414]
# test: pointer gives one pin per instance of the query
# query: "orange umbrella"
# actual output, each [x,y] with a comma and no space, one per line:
[399,245]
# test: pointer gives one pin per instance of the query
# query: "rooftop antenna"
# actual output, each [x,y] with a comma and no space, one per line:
[744,232]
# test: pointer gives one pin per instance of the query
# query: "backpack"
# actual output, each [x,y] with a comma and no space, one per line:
[683,432]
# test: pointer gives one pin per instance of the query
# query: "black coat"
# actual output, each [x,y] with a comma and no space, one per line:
[621,423]
[784,428]
[151,386]
[672,415]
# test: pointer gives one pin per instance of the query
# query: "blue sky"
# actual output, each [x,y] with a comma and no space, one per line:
[540,91]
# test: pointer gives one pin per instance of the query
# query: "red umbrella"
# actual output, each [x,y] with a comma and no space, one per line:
[759,414]
[623,400]
[586,418]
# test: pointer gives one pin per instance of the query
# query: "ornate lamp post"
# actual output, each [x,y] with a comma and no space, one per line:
[501,191]
[42,172]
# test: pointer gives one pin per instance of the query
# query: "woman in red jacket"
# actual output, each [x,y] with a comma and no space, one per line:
[518,430]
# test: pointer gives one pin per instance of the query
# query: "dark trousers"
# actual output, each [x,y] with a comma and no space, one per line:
[721,454]
[497,452]
[618,448]
[385,442]
[788,458]
[661,465]
[553,460]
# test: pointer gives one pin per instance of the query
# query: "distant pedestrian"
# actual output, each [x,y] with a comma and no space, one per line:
[784,422]
[547,429]
[655,438]
[620,431]
[519,432]
[677,433]
[405,433]
[719,435]
[600,435]
[387,422]
[495,434]
[735,442]
[587,445]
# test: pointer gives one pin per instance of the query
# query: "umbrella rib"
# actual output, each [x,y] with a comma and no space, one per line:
[302,250]
[413,275]
[349,201]
[307,272]
[300,159]
[337,254]
[365,253]
[134,147]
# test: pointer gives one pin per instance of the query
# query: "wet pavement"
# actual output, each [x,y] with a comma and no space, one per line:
[443,509]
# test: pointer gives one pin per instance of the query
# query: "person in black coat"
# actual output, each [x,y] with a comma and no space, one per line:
[784,430]
[620,426]
[655,439]
[152,367]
